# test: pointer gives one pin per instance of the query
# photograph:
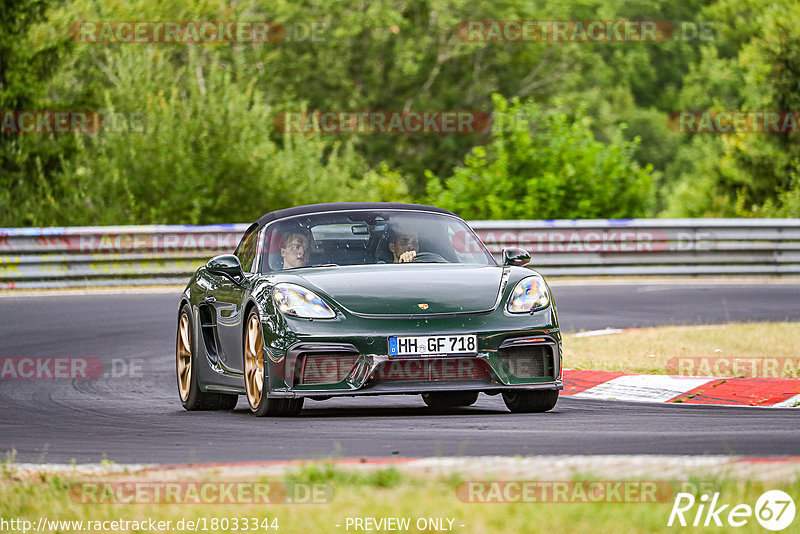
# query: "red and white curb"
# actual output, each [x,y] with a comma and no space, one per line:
[777,393]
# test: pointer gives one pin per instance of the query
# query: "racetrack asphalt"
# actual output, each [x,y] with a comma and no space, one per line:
[137,417]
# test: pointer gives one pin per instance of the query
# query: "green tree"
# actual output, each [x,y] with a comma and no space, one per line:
[28,58]
[743,174]
[210,137]
[555,168]
[202,156]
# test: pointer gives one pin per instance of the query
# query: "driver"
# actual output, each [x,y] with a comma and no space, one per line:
[403,243]
[296,248]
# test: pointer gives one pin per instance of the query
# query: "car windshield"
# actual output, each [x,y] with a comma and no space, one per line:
[365,237]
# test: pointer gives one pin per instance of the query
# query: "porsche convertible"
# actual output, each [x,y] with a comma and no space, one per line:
[350,299]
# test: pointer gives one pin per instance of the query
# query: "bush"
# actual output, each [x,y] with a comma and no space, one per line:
[205,156]
[554,168]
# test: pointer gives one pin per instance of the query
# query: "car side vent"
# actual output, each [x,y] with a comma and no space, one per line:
[528,361]
[208,326]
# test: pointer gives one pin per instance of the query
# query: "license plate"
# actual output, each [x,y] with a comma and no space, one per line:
[433,345]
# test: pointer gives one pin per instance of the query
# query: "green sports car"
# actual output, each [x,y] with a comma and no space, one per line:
[366,299]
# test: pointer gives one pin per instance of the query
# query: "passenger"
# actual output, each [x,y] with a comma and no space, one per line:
[296,248]
[403,243]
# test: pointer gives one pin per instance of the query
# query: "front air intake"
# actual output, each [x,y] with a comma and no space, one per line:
[428,369]
[529,361]
[315,369]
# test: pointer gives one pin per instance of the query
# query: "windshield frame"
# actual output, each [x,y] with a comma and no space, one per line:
[263,267]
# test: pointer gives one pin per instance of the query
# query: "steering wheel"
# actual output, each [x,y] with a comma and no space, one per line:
[428,257]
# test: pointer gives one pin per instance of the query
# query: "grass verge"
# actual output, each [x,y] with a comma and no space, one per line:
[380,494]
[728,347]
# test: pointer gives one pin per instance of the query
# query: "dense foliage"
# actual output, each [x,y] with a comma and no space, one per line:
[589,134]
[551,167]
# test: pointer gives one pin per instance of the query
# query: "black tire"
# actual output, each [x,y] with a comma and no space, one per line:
[450,399]
[258,400]
[192,398]
[278,407]
[536,401]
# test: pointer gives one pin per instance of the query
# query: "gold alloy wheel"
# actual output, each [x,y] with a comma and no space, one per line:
[254,362]
[184,355]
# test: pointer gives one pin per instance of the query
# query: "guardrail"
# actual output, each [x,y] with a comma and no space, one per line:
[694,247]
[168,254]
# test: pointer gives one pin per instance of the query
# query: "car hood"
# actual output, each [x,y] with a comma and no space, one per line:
[407,289]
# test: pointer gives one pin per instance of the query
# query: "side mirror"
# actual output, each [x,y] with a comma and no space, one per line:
[515,256]
[226,265]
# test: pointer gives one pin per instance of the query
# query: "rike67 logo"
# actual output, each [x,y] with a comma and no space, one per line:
[774,510]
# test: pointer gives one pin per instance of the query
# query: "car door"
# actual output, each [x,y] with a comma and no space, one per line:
[227,299]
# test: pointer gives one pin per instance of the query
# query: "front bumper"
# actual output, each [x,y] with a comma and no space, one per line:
[520,360]
[413,389]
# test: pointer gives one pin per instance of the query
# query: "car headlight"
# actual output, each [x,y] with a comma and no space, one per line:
[530,294]
[298,301]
